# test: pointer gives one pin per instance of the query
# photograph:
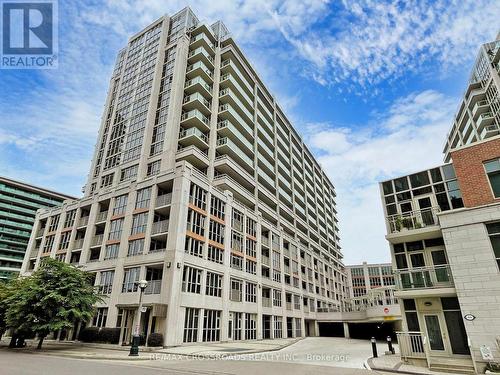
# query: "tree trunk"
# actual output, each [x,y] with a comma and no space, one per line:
[39,346]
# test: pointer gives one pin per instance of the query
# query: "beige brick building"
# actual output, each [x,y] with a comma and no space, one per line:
[201,186]
[443,226]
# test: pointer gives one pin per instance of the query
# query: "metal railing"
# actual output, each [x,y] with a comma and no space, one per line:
[413,220]
[412,345]
[78,243]
[160,227]
[83,221]
[265,260]
[266,302]
[163,200]
[97,240]
[101,216]
[424,277]
[153,287]
[235,295]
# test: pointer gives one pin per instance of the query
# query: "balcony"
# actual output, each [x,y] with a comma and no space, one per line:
[229,96]
[153,287]
[196,101]
[489,131]
[198,84]
[226,129]
[97,240]
[228,81]
[264,162]
[78,244]
[195,118]
[266,302]
[163,200]
[101,216]
[199,69]
[193,155]
[160,227]
[424,278]
[480,107]
[83,221]
[227,112]
[402,224]
[193,136]
[263,108]
[229,67]
[484,120]
[226,165]
[201,54]
[242,194]
[265,260]
[201,40]
[227,146]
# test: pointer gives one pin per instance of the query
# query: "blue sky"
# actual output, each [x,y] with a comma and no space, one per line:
[372,86]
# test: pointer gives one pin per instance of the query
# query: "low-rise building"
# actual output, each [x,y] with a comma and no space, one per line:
[443,227]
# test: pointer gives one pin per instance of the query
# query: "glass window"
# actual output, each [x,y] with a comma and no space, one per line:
[449,172]
[401,184]
[387,187]
[436,175]
[493,172]
[419,179]
[494,232]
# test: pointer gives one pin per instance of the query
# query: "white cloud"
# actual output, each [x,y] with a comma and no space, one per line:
[384,40]
[408,138]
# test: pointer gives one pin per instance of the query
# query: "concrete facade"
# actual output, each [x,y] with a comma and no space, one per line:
[201,186]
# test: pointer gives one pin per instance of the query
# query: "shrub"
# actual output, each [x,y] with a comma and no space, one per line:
[155,339]
[89,334]
[109,335]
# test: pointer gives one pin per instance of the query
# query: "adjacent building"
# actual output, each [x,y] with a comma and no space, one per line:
[201,186]
[18,205]
[443,226]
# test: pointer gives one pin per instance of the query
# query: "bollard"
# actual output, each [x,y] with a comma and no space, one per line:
[374,347]
[389,344]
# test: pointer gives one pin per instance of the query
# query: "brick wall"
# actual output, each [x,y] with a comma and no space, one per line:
[468,163]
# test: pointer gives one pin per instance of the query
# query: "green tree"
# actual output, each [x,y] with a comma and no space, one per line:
[52,298]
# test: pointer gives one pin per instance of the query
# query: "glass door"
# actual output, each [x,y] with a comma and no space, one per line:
[440,262]
[427,216]
[434,333]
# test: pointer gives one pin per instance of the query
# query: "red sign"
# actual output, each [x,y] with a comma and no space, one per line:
[386,310]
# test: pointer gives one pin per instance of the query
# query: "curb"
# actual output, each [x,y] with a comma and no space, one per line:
[387,369]
[149,353]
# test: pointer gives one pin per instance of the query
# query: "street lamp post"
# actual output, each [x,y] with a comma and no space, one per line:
[136,338]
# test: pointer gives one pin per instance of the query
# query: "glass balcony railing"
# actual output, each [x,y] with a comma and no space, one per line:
[199,67]
[227,125]
[184,133]
[236,102]
[160,227]
[485,119]
[191,85]
[424,278]
[229,65]
[413,220]
[235,150]
[236,118]
[21,193]
[195,117]
[197,96]
[153,287]
[202,38]
[489,131]
[202,53]
[227,80]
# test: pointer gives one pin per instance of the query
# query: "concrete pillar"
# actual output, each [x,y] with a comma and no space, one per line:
[346,330]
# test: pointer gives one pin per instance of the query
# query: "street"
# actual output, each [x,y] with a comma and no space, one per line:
[316,356]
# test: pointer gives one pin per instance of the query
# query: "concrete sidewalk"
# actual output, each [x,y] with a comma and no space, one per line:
[393,363]
[115,352]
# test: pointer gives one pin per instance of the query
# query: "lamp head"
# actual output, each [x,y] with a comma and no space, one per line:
[143,284]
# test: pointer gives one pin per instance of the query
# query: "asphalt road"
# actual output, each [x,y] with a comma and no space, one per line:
[18,363]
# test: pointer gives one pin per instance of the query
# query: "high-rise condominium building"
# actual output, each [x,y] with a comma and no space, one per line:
[478,116]
[18,205]
[443,226]
[201,186]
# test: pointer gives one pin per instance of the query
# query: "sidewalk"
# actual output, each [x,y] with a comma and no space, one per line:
[393,363]
[115,352]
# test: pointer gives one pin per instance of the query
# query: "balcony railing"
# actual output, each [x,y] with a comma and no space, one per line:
[153,287]
[78,243]
[424,278]
[163,200]
[101,216]
[265,260]
[160,227]
[97,240]
[411,344]
[266,302]
[83,221]
[235,295]
[488,131]
[413,220]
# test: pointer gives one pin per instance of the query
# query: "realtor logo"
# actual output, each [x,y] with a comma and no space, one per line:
[29,34]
